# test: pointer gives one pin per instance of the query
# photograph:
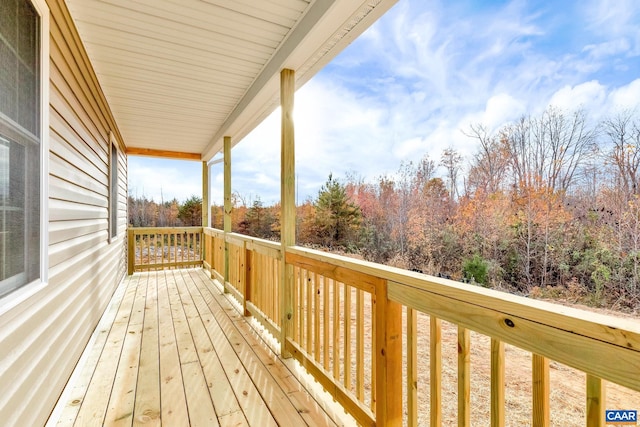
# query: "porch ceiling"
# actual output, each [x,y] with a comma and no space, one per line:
[179,75]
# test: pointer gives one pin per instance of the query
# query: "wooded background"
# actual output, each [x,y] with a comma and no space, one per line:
[547,206]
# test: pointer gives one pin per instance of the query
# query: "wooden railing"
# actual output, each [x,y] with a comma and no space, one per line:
[253,269]
[354,326]
[162,247]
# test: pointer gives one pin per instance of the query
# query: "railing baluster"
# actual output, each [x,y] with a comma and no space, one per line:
[301,308]
[360,345]
[248,279]
[464,377]
[374,380]
[296,309]
[309,303]
[435,365]
[161,248]
[175,248]
[325,318]
[347,337]
[316,320]
[336,331]
[596,398]
[540,392]
[155,249]
[145,244]
[497,383]
[266,298]
[412,367]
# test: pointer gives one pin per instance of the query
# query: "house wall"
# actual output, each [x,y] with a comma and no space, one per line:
[42,338]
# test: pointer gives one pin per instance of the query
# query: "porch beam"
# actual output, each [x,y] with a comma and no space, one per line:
[178,155]
[287,202]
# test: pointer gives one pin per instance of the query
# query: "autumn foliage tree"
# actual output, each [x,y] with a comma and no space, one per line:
[549,207]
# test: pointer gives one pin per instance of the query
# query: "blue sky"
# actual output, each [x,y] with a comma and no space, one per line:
[421,75]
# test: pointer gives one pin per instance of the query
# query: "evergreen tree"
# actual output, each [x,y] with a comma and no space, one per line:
[190,212]
[258,221]
[337,217]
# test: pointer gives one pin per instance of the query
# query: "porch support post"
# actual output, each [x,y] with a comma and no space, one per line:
[227,205]
[205,210]
[205,194]
[287,204]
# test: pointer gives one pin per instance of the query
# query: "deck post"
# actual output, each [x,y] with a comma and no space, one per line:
[388,347]
[287,203]
[227,206]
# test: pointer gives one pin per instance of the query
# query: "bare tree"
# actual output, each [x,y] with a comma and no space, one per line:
[623,130]
[490,163]
[569,140]
[451,160]
[549,150]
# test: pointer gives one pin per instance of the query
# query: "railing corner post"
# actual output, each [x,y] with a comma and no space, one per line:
[388,346]
[131,251]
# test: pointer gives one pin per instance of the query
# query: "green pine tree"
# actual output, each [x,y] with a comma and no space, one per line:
[337,218]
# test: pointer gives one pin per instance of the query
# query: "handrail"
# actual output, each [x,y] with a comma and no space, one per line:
[343,305]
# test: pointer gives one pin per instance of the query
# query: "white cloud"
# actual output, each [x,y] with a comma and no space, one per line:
[502,109]
[625,97]
[607,49]
[589,96]
[611,17]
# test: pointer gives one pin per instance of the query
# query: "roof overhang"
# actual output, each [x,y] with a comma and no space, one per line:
[179,75]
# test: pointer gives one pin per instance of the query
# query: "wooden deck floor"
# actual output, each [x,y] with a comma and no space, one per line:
[171,350]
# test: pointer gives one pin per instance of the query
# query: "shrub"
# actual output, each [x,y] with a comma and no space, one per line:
[476,269]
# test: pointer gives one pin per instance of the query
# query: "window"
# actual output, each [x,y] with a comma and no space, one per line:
[113,189]
[21,107]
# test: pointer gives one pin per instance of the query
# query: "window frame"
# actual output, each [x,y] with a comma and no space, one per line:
[19,295]
[113,201]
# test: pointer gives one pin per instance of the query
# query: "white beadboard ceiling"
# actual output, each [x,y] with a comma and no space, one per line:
[179,75]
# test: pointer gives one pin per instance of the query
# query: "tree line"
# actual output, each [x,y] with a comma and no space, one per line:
[548,206]
[144,212]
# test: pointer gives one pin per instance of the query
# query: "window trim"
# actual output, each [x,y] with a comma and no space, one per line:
[18,296]
[113,204]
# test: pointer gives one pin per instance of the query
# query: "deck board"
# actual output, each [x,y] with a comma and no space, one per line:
[172,350]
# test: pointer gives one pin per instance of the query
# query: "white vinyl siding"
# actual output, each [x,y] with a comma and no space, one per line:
[43,336]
